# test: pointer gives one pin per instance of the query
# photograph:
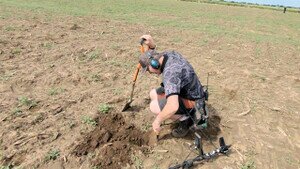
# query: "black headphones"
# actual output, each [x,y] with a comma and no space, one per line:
[154,63]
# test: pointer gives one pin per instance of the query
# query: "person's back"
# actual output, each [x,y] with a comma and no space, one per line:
[180,78]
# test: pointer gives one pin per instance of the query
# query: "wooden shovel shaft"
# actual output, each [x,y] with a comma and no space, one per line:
[138,67]
[131,94]
[134,79]
[133,84]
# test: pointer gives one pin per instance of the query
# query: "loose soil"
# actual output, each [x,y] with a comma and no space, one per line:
[115,141]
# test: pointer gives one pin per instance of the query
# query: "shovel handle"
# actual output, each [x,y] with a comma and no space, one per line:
[138,67]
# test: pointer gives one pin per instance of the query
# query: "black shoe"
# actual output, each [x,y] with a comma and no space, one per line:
[183,128]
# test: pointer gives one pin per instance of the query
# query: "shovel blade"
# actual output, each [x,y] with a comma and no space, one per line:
[127,105]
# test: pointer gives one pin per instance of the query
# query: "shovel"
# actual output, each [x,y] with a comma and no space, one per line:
[127,105]
[142,49]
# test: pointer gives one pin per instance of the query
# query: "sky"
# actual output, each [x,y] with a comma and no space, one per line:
[293,3]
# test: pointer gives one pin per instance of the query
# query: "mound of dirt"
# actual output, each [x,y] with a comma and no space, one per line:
[112,142]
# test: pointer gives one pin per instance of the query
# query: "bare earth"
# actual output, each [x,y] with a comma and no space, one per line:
[67,66]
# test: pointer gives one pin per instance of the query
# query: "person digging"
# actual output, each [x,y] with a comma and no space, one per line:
[175,99]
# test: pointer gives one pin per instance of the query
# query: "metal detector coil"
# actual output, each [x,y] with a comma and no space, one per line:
[223,149]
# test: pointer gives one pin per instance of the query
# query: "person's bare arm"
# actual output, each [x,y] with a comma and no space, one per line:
[168,111]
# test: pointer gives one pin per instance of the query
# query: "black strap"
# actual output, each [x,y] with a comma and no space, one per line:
[164,62]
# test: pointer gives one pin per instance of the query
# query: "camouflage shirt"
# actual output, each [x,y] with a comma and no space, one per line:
[179,77]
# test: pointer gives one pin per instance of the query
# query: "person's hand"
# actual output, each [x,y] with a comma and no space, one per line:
[148,41]
[156,125]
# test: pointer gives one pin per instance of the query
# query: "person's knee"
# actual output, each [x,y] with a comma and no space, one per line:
[153,94]
[154,107]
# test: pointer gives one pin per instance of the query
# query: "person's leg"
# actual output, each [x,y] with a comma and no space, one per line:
[154,107]
[185,122]
[158,100]
[158,93]
[157,105]
[153,94]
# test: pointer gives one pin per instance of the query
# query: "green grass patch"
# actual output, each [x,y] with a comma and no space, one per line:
[16,112]
[146,126]
[95,78]
[93,55]
[55,91]
[249,162]
[156,166]
[116,47]
[16,51]
[248,165]
[104,108]
[88,120]
[25,101]
[9,28]
[89,55]
[47,45]
[117,91]
[5,77]
[292,161]
[137,162]
[7,167]
[52,155]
